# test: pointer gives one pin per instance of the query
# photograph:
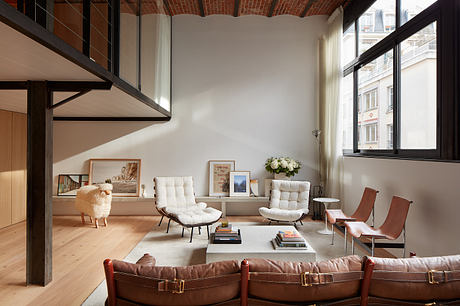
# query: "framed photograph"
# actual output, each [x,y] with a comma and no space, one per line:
[123,174]
[239,183]
[219,177]
[69,183]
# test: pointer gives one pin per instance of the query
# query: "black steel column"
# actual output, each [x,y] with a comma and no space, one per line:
[39,183]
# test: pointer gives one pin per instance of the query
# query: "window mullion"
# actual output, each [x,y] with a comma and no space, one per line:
[396,98]
[355,111]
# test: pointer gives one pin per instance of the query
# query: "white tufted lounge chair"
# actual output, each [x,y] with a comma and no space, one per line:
[175,199]
[288,201]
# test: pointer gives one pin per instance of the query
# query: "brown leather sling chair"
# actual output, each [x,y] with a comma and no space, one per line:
[391,229]
[362,213]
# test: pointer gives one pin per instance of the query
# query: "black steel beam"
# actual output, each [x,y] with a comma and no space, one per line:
[168,9]
[272,8]
[77,85]
[86,20]
[153,119]
[39,183]
[12,85]
[307,8]
[67,100]
[200,4]
[236,8]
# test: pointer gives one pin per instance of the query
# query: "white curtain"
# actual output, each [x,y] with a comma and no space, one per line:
[329,108]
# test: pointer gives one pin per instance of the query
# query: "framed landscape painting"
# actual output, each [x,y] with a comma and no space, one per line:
[123,174]
[219,176]
[69,183]
[239,183]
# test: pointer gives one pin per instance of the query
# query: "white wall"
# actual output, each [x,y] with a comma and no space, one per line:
[243,88]
[432,223]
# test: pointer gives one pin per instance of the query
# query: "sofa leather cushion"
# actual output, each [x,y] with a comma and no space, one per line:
[408,278]
[204,284]
[291,290]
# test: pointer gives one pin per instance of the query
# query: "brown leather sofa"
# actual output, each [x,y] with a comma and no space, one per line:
[349,280]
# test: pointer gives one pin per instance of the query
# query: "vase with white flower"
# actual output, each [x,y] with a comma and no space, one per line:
[282,167]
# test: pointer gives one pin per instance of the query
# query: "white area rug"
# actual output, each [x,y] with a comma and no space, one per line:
[173,250]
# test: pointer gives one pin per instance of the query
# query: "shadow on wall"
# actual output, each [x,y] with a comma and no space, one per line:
[78,137]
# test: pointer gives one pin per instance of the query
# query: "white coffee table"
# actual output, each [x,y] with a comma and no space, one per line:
[257,243]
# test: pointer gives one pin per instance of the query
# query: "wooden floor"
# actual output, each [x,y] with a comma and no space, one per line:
[78,253]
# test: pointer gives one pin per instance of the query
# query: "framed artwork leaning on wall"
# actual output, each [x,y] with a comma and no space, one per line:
[239,183]
[123,174]
[219,177]
[69,183]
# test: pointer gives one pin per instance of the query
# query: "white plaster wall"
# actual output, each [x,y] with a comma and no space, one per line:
[243,88]
[432,223]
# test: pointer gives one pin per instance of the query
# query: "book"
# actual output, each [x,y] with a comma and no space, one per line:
[277,247]
[290,244]
[290,239]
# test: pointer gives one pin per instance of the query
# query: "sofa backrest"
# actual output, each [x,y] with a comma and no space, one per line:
[416,279]
[305,282]
[174,191]
[289,195]
[191,285]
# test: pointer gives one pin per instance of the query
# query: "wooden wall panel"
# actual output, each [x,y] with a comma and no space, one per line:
[18,166]
[5,168]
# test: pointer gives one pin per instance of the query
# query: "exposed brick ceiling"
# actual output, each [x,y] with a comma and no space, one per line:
[269,8]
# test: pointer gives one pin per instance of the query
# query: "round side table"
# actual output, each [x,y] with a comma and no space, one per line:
[326,202]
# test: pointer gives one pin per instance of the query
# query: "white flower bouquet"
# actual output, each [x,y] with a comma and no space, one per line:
[283,165]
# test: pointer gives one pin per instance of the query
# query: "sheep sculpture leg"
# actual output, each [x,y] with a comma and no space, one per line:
[83,218]
[96,223]
[90,219]
[105,221]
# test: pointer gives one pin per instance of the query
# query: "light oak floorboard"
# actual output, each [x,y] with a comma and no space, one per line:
[78,253]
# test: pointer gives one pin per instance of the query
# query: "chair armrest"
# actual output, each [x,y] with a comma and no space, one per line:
[146,260]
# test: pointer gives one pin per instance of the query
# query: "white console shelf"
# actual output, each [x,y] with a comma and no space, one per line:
[225,200]
[64,204]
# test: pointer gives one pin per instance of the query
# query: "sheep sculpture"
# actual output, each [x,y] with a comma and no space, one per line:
[94,201]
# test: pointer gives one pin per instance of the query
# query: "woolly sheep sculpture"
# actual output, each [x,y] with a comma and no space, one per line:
[95,201]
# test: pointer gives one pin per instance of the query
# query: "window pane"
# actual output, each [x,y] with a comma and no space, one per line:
[374,79]
[410,8]
[418,90]
[348,45]
[347,111]
[376,23]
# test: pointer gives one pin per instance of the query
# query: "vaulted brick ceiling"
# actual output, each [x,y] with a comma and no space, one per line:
[269,8]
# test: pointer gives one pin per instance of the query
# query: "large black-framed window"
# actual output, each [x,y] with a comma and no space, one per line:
[432,32]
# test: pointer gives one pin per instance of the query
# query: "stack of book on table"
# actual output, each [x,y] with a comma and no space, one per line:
[289,240]
[227,234]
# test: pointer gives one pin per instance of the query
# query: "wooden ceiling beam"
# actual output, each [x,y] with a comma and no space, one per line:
[272,8]
[307,8]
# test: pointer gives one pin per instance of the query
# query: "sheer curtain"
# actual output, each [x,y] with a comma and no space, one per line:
[329,104]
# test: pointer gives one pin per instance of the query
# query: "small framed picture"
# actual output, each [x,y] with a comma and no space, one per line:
[219,177]
[123,174]
[239,183]
[69,183]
